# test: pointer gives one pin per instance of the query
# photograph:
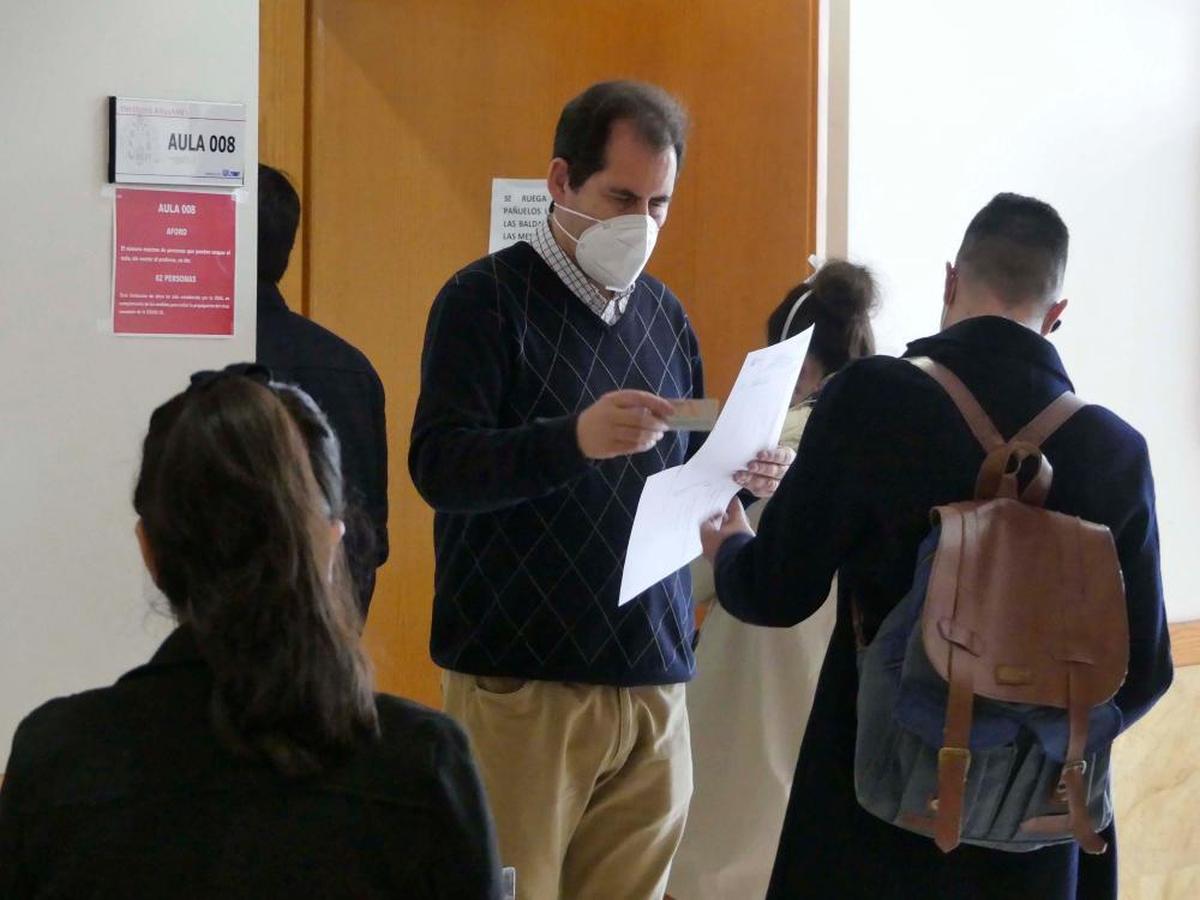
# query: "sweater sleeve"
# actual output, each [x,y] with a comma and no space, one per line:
[1150,670]
[461,458]
[695,438]
[782,576]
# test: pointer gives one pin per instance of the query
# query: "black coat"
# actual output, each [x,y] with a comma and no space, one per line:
[124,792]
[885,445]
[348,390]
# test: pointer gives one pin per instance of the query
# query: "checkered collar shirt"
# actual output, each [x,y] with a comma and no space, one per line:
[608,308]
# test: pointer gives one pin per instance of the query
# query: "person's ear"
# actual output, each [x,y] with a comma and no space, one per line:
[139,531]
[1052,321]
[950,290]
[558,179]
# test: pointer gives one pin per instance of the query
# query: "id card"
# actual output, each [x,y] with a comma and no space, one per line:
[694,415]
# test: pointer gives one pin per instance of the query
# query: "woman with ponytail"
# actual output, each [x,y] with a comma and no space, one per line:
[250,757]
[749,702]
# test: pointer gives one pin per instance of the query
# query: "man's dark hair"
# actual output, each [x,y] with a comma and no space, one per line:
[278,217]
[1017,247]
[586,123]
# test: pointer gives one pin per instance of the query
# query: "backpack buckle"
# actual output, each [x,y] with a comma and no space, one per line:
[1078,765]
[948,755]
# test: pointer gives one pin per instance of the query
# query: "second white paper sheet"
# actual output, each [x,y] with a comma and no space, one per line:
[666,526]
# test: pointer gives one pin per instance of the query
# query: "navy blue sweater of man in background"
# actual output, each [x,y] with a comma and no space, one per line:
[348,390]
[530,535]
[884,446]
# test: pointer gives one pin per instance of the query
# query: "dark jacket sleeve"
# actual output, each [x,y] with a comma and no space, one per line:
[1150,670]
[378,494]
[13,868]
[782,576]
[461,458]
[468,863]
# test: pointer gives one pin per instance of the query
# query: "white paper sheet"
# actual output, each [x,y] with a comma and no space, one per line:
[666,527]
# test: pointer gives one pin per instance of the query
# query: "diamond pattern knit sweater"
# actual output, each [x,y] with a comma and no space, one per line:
[529,535]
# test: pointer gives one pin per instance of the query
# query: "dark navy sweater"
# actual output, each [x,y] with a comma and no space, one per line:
[883,447]
[529,535]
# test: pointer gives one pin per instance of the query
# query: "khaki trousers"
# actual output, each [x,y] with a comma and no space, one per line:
[589,785]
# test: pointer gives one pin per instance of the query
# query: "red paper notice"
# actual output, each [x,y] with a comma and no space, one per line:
[173,272]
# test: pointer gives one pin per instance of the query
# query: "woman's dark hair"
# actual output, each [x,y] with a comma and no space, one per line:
[239,486]
[836,303]
[325,455]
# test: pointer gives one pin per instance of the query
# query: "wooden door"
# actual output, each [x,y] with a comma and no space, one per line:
[410,107]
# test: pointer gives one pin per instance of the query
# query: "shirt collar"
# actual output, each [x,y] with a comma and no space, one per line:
[609,309]
[179,649]
[995,334]
[269,296]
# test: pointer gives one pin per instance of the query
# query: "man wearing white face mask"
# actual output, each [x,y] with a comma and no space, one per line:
[546,378]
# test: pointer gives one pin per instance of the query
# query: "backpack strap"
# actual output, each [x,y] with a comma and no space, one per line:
[1050,419]
[1036,433]
[1003,459]
[977,420]
[1073,647]
[1072,782]
[1000,472]
[954,757]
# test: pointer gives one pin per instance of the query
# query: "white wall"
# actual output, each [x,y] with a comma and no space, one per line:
[74,402]
[1092,106]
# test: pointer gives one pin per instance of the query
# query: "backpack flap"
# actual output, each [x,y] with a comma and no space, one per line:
[1024,606]
[1029,594]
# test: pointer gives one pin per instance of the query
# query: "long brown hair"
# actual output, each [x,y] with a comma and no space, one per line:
[837,303]
[239,486]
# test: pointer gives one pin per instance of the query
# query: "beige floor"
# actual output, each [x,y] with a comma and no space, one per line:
[1157,770]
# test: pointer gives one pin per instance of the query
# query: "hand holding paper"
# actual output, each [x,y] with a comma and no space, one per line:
[666,527]
[762,476]
[715,531]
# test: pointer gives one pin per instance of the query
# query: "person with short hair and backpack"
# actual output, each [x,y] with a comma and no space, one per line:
[1000,614]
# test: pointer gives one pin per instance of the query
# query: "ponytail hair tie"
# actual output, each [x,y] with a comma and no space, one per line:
[787,323]
[206,378]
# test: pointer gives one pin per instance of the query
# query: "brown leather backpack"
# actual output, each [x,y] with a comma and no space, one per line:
[1023,615]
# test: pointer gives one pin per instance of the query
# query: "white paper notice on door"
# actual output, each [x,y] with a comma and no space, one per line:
[519,205]
[666,527]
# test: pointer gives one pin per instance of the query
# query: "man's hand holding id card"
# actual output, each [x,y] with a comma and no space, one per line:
[694,414]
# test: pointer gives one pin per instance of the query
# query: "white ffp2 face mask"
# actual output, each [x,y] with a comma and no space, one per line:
[614,251]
